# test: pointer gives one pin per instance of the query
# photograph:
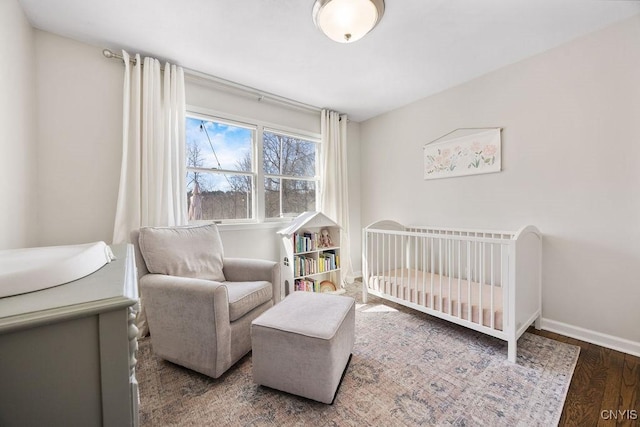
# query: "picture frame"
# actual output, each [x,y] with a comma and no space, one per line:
[467,151]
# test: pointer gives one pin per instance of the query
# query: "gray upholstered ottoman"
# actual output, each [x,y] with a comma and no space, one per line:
[303,344]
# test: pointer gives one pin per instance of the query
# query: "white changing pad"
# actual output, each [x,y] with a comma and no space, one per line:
[33,269]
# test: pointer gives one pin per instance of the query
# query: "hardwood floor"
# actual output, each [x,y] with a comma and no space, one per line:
[605,388]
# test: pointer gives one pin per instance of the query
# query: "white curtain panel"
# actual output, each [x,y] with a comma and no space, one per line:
[152,177]
[334,193]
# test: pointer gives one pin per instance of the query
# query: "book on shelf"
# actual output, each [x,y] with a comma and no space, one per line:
[305,242]
[328,260]
[303,265]
[306,285]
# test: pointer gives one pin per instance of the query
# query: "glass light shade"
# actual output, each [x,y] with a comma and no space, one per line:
[346,21]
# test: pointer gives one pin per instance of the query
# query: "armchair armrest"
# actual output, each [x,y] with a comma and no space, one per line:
[189,321]
[250,270]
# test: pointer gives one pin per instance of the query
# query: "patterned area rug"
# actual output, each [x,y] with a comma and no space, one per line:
[407,369]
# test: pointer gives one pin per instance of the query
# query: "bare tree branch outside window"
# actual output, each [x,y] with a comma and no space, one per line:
[285,159]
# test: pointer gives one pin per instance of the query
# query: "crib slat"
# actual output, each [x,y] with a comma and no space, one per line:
[469,275]
[440,271]
[395,261]
[385,268]
[493,315]
[373,272]
[409,272]
[365,264]
[504,281]
[459,281]
[406,260]
[478,261]
[380,267]
[449,256]
[431,298]
[424,276]
[480,285]
[415,266]
[387,247]
[403,266]
[374,259]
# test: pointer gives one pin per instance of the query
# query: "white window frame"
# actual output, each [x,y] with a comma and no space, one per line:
[257,173]
[217,119]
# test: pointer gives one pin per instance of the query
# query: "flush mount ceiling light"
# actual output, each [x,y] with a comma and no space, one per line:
[346,21]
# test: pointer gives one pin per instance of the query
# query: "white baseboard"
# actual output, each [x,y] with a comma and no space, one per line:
[598,338]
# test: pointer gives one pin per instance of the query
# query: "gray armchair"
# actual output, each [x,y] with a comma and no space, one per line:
[198,304]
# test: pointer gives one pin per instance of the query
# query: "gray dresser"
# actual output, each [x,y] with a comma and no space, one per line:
[67,354]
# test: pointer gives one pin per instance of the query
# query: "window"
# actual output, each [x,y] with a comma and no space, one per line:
[289,174]
[226,159]
[220,171]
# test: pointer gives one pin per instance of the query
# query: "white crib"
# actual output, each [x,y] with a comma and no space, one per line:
[489,281]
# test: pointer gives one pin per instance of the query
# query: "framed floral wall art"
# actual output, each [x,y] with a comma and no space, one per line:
[463,152]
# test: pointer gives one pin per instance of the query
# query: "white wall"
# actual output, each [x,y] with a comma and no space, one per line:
[79,111]
[571,148]
[206,94]
[18,162]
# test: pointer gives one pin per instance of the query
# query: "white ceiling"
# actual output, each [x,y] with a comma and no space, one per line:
[419,48]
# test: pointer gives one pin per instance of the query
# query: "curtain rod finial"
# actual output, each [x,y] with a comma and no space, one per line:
[107,53]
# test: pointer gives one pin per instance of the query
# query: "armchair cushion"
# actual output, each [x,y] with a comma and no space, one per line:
[190,251]
[245,296]
[251,270]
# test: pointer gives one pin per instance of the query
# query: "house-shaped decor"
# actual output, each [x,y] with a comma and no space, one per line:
[310,254]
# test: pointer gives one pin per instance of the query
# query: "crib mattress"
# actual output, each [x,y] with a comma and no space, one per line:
[453,297]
